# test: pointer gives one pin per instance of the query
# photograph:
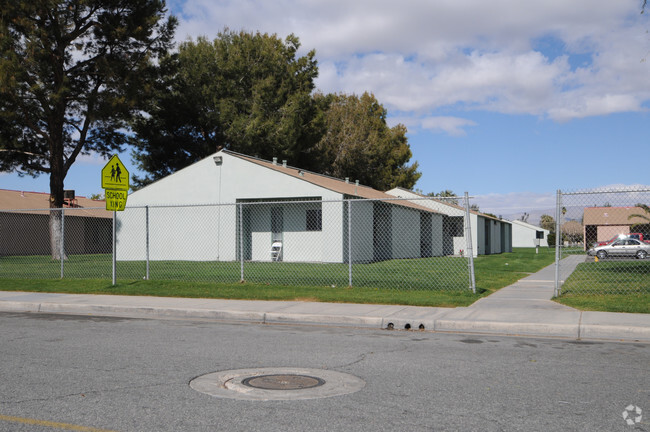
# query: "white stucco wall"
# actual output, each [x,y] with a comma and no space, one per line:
[209,232]
[523,235]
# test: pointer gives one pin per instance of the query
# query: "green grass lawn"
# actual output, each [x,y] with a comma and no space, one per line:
[612,286]
[437,273]
[441,281]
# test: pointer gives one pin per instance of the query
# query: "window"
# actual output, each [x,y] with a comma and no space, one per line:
[314,220]
[539,234]
[455,226]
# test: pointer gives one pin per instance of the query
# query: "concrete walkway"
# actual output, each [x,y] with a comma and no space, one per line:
[523,308]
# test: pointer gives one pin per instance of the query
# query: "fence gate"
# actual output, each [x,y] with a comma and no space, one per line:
[603,242]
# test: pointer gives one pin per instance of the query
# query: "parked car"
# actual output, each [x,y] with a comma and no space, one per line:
[622,247]
[637,236]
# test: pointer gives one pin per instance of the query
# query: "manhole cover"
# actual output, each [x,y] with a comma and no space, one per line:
[283,382]
[277,384]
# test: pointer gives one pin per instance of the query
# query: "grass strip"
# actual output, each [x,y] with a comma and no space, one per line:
[379,282]
[244,291]
[597,286]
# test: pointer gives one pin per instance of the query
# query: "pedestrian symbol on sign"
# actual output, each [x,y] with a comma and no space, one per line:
[115,175]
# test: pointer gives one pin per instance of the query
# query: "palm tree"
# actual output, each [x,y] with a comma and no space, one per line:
[641,227]
[646,216]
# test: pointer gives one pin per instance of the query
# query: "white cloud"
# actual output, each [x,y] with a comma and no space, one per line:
[92,159]
[420,56]
[451,125]
[514,203]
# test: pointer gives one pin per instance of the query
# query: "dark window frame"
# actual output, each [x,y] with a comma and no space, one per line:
[314,220]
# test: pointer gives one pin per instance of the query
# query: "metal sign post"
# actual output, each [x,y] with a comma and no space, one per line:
[115,181]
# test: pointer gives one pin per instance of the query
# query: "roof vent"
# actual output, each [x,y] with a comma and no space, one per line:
[275,161]
[284,163]
[301,173]
[347,179]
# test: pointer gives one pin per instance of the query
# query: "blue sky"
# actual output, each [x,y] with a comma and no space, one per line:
[507,100]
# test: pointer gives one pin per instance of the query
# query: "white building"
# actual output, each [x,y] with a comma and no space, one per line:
[316,218]
[525,234]
[490,235]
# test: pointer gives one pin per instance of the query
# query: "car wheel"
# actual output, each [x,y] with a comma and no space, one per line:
[601,254]
[641,254]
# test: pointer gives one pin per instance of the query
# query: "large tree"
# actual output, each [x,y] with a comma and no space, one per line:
[251,93]
[247,92]
[547,222]
[71,75]
[360,145]
[573,231]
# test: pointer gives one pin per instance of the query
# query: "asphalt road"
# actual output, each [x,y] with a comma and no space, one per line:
[83,373]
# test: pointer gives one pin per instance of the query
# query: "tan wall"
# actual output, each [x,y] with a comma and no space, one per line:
[29,234]
[606,232]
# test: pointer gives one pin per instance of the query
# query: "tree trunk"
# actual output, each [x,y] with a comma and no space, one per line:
[56,204]
[56,234]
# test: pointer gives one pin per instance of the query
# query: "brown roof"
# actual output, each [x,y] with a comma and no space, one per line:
[331,183]
[613,216]
[39,203]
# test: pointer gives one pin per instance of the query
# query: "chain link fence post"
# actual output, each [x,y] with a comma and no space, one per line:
[469,247]
[241,242]
[147,241]
[349,242]
[114,272]
[558,239]
[62,245]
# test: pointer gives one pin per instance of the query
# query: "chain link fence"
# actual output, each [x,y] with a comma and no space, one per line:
[604,241]
[414,244]
[32,243]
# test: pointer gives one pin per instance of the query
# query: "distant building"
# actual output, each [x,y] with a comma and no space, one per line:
[525,235]
[604,223]
[25,230]
[490,235]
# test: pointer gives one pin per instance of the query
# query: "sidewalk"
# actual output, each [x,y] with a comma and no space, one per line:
[523,308]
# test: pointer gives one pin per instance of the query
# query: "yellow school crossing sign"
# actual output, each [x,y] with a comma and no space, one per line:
[115,181]
[114,175]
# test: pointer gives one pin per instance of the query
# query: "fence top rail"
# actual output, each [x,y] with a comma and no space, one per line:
[31,210]
[613,191]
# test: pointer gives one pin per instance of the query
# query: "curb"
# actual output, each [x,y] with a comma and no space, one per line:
[510,328]
[577,331]
[610,332]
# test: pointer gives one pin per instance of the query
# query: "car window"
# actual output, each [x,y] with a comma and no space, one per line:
[633,242]
[618,243]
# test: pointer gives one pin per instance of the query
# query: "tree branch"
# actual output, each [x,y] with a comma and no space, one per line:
[83,133]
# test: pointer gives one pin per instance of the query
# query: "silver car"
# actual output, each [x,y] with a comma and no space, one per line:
[622,247]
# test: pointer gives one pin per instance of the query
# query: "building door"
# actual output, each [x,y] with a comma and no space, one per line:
[277,224]
[426,235]
[382,232]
